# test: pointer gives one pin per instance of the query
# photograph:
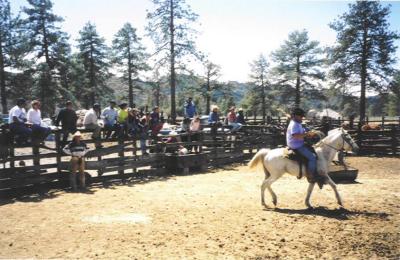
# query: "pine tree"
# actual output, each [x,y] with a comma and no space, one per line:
[212,73]
[364,53]
[93,55]
[12,47]
[298,64]
[129,55]
[45,39]
[43,30]
[394,87]
[169,27]
[258,76]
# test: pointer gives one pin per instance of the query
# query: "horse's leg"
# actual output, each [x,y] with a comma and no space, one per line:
[333,185]
[267,185]
[309,191]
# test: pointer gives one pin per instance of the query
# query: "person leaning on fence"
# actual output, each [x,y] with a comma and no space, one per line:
[110,116]
[133,122]
[240,117]
[232,120]
[185,129]
[17,120]
[189,108]
[156,123]
[68,118]
[77,149]
[194,130]
[39,132]
[143,128]
[123,114]
[213,119]
[90,121]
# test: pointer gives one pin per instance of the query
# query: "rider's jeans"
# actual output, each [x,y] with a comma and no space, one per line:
[312,160]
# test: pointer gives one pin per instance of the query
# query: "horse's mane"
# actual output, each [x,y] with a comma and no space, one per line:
[330,133]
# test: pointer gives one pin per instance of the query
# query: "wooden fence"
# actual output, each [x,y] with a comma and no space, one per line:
[26,168]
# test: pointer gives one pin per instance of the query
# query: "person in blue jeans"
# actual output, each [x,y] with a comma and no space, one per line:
[295,140]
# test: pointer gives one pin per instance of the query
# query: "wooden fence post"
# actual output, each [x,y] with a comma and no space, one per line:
[383,122]
[395,142]
[36,154]
[134,152]
[59,150]
[121,154]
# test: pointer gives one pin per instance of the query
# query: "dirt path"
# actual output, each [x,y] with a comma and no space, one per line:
[211,216]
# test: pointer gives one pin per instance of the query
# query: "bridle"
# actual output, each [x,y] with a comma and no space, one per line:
[346,139]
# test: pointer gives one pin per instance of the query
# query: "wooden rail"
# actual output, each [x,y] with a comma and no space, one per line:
[26,167]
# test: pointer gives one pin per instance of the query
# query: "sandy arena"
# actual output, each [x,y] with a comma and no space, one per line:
[216,215]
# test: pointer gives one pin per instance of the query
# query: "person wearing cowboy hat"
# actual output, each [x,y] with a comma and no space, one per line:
[77,149]
[295,135]
[240,117]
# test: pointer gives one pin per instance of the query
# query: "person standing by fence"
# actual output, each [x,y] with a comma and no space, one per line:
[109,116]
[68,118]
[17,120]
[77,149]
[194,130]
[189,109]
[39,132]
[156,123]
[143,129]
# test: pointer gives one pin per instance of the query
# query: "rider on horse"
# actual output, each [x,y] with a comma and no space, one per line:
[295,140]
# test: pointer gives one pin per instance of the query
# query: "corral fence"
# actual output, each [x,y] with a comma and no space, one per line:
[26,168]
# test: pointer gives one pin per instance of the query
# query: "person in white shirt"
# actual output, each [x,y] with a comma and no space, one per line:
[35,119]
[110,116]
[90,121]
[17,120]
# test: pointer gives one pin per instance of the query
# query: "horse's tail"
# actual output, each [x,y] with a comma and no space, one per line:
[258,157]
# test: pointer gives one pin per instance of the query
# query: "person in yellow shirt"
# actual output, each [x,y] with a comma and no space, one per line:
[122,119]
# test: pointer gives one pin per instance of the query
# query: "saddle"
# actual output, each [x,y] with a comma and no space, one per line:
[293,155]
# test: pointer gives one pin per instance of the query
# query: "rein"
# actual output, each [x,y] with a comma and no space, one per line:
[330,146]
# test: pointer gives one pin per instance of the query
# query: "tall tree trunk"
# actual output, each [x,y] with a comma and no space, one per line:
[297,101]
[3,82]
[363,75]
[263,104]
[130,76]
[172,50]
[208,96]
[158,90]
[92,81]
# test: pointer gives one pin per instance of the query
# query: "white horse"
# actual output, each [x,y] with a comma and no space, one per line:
[275,164]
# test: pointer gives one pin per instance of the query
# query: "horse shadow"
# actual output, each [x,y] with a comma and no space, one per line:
[338,213]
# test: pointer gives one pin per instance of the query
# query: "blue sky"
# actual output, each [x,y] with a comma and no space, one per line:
[232,32]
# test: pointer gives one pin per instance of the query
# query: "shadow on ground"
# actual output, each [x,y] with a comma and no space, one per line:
[339,213]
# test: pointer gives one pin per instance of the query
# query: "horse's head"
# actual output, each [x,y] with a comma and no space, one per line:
[348,143]
[340,139]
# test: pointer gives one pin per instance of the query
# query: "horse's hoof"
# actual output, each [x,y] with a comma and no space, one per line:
[275,202]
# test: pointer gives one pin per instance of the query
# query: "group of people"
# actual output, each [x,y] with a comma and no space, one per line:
[234,119]
[29,125]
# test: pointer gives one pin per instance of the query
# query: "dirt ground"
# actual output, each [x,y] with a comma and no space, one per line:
[216,215]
